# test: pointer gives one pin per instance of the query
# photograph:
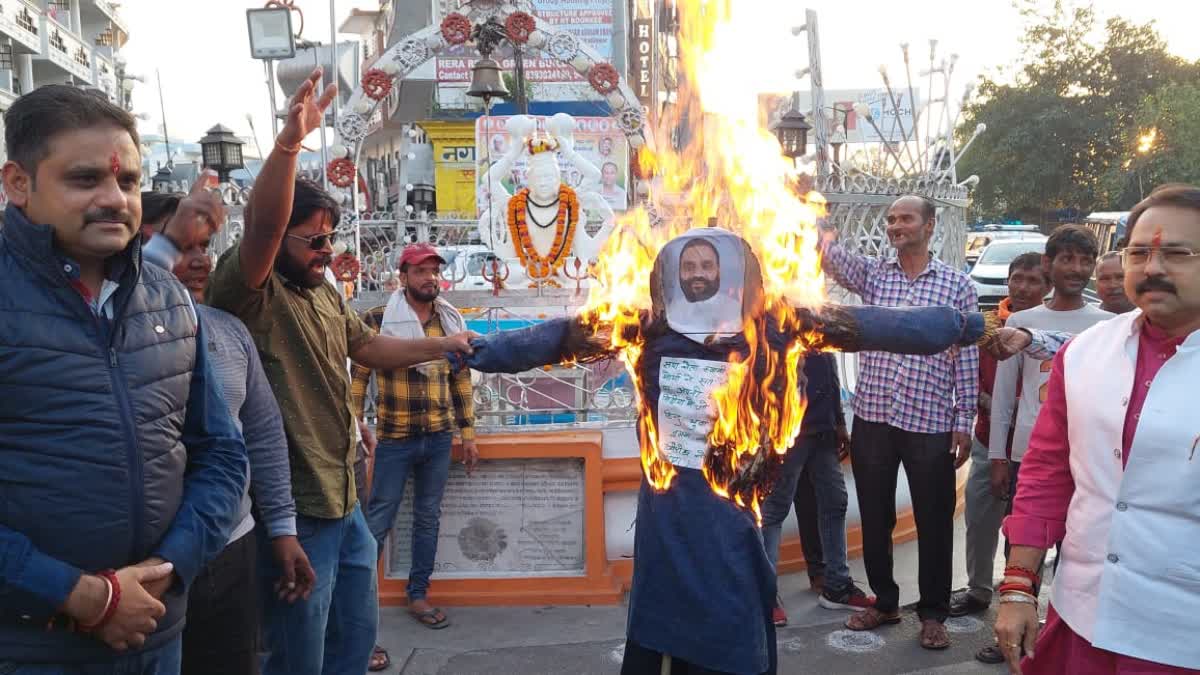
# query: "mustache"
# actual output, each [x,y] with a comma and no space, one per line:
[323,261]
[107,216]
[1156,284]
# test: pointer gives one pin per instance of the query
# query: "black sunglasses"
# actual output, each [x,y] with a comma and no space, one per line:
[317,241]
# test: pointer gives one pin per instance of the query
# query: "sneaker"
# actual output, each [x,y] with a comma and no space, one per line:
[779,616]
[851,598]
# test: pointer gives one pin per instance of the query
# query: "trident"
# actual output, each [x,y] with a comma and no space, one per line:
[454,279]
[578,276]
[496,277]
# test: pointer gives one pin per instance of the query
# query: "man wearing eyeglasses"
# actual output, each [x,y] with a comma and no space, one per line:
[274,281]
[1112,469]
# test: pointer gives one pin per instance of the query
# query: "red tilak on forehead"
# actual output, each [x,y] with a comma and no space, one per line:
[1156,242]
[114,163]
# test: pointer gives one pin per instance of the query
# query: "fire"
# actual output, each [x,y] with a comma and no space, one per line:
[729,167]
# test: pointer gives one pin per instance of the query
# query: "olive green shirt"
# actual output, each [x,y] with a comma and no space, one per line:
[305,337]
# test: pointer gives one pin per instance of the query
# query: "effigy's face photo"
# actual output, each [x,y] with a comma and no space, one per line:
[703,279]
[699,270]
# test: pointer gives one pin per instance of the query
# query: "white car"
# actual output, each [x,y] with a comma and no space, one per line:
[990,273]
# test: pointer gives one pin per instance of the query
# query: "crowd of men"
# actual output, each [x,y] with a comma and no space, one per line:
[183,485]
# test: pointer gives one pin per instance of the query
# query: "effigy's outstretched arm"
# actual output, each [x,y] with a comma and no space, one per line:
[553,341]
[898,330]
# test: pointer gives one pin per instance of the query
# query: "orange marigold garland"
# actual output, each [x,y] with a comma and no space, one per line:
[376,84]
[536,265]
[456,28]
[519,26]
[341,172]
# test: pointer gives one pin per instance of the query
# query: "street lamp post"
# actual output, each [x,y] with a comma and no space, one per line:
[222,151]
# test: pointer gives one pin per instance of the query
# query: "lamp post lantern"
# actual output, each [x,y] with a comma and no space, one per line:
[222,151]
[161,180]
[792,132]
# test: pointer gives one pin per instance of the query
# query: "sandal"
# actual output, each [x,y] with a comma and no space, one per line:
[379,660]
[933,635]
[870,619]
[431,618]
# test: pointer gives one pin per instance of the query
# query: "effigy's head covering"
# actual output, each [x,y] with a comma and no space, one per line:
[706,283]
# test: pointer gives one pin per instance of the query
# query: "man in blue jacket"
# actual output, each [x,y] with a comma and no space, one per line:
[122,468]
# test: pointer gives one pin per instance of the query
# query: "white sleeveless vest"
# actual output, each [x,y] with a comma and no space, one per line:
[1129,576]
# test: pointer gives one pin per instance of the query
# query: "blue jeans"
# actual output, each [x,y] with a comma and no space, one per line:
[426,457]
[817,452]
[162,661]
[333,631]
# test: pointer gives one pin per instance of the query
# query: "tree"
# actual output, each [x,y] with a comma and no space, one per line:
[1059,126]
[1170,121]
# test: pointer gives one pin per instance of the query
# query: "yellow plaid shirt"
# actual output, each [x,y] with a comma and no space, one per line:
[410,402]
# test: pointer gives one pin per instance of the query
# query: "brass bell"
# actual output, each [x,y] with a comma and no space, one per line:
[486,81]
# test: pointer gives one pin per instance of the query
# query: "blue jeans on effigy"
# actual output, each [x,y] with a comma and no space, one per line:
[333,631]
[818,452]
[164,660]
[425,457]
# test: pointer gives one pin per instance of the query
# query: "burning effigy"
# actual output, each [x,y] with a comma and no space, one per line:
[711,295]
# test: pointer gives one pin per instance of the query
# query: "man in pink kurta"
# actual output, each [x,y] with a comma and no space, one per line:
[1072,485]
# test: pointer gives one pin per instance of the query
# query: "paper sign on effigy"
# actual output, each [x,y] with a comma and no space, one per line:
[685,408]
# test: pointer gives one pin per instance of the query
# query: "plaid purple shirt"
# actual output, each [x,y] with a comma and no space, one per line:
[926,394]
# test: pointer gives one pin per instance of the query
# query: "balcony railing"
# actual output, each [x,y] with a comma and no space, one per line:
[106,8]
[104,74]
[62,48]
[21,21]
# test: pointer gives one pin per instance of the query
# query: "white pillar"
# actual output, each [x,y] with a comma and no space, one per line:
[76,19]
[24,66]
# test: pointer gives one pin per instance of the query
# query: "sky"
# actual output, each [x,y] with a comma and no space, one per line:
[201,49]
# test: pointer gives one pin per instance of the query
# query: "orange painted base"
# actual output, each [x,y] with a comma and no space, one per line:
[597,586]
[605,581]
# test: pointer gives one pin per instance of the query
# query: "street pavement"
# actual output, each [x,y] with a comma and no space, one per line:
[589,640]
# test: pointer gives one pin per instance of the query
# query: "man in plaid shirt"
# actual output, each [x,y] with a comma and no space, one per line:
[418,409]
[910,410]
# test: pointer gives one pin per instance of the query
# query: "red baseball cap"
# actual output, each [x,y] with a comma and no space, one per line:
[415,254]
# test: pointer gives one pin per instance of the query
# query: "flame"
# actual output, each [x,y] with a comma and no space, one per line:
[1146,141]
[730,167]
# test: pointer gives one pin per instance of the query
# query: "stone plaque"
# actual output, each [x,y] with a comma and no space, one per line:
[510,518]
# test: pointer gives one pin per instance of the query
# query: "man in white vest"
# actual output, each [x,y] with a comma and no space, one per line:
[1112,470]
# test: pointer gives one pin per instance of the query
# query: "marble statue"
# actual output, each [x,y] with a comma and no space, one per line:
[540,227]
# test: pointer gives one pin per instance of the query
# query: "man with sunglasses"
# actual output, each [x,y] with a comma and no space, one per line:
[912,410]
[274,281]
[1111,471]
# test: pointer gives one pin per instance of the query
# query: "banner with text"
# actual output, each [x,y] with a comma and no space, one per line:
[591,21]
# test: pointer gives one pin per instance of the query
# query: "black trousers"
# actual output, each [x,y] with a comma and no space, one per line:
[805,503]
[876,453]
[221,636]
[640,660]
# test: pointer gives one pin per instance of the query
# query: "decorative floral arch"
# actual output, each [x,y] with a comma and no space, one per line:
[455,29]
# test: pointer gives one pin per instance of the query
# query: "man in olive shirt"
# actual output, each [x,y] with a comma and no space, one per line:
[273,280]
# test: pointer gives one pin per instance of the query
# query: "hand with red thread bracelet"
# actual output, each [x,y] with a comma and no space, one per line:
[110,607]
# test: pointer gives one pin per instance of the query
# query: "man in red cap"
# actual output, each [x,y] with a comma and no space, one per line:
[417,409]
